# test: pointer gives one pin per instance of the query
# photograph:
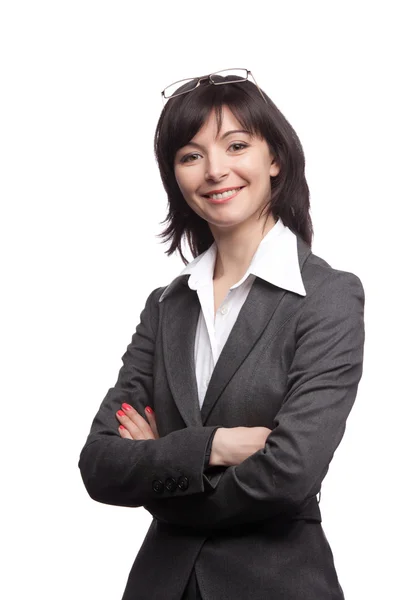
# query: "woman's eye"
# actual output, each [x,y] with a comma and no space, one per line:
[238,144]
[186,158]
[189,156]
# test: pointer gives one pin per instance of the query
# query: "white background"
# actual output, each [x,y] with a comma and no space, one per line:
[81,206]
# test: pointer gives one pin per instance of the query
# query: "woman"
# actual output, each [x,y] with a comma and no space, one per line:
[249,363]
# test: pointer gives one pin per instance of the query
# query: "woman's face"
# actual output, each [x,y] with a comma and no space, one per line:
[232,160]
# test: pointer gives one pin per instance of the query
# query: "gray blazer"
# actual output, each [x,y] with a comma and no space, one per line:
[291,363]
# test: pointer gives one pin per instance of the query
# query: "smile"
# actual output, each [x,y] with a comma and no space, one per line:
[225,196]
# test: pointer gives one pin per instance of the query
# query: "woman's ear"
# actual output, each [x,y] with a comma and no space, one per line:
[274,168]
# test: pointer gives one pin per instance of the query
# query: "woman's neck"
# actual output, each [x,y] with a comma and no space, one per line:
[236,250]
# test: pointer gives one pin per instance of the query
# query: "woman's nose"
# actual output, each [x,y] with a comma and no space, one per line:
[216,168]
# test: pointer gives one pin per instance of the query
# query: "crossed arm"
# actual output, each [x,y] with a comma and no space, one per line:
[278,478]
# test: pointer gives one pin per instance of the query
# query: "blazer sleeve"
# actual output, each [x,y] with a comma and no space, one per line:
[127,472]
[209,448]
[322,385]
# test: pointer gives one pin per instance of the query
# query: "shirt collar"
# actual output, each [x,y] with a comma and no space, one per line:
[275,260]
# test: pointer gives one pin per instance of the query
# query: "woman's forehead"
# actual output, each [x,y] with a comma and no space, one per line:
[228,123]
[227,118]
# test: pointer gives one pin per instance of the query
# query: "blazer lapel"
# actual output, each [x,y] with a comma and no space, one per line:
[253,318]
[179,322]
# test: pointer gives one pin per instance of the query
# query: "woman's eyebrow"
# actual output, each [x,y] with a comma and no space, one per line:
[222,137]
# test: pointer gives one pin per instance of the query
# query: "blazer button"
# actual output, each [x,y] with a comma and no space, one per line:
[170,484]
[183,483]
[158,486]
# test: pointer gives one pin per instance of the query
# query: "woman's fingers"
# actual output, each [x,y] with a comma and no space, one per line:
[152,420]
[124,433]
[137,427]
[130,426]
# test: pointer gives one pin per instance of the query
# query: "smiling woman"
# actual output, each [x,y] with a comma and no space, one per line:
[239,161]
[235,389]
[241,140]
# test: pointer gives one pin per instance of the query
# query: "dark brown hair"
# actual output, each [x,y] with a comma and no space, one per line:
[183,116]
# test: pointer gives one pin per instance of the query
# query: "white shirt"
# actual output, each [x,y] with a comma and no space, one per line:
[275,260]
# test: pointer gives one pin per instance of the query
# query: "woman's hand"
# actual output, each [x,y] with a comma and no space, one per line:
[232,445]
[134,427]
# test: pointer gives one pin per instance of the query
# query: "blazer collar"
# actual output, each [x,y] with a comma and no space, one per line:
[178,330]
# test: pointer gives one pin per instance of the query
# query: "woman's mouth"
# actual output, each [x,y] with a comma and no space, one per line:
[225,196]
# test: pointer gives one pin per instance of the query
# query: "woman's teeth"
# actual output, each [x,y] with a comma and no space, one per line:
[224,194]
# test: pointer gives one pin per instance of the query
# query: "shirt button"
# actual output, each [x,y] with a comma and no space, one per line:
[224,310]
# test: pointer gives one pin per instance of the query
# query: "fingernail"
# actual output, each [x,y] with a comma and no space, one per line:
[120,413]
[126,406]
[149,410]
[121,427]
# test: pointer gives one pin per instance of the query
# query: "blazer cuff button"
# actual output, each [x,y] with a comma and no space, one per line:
[183,483]
[158,486]
[170,484]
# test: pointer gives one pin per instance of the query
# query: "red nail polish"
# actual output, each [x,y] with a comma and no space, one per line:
[121,413]
[121,427]
[149,409]
[126,406]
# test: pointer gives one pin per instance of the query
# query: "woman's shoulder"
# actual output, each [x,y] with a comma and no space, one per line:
[318,274]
